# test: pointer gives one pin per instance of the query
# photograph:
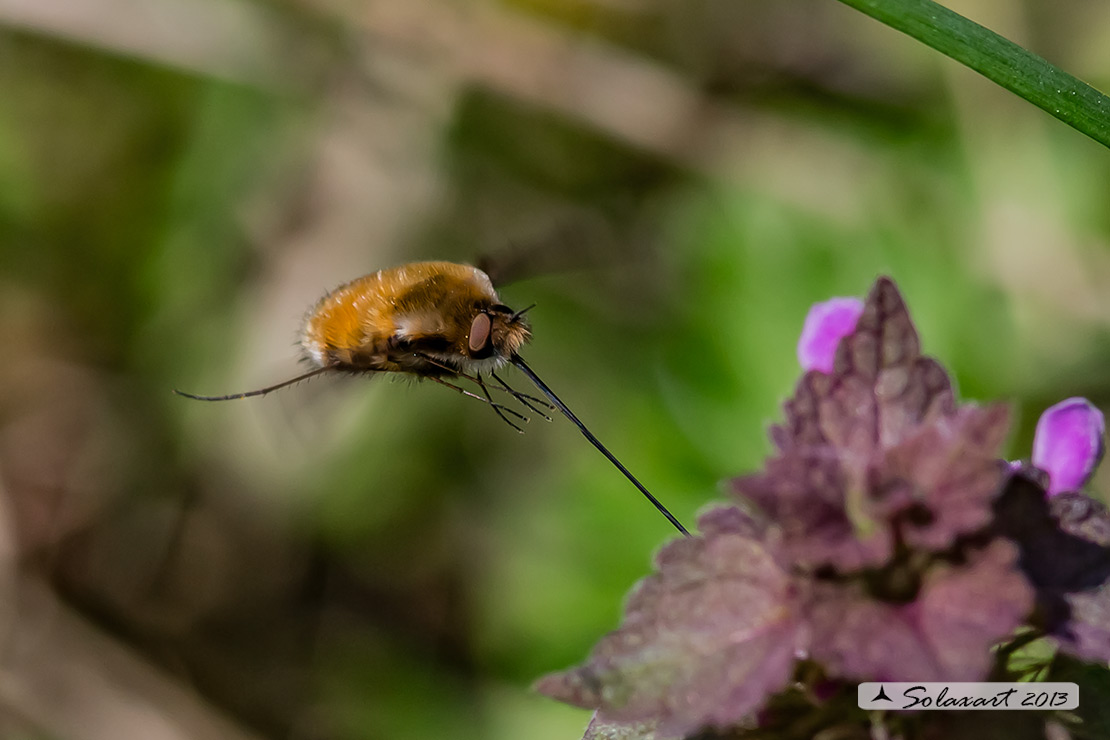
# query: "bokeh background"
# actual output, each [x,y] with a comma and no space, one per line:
[673,183]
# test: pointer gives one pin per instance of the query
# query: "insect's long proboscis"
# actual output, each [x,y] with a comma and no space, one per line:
[518,361]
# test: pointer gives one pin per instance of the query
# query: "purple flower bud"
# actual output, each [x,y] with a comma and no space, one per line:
[1068,443]
[826,324]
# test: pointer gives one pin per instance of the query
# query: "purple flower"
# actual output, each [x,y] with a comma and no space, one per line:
[1068,444]
[868,550]
[882,540]
[825,325]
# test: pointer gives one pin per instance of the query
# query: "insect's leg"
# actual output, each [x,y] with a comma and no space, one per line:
[524,398]
[495,406]
[517,394]
[498,408]
[455,373]
[260,391]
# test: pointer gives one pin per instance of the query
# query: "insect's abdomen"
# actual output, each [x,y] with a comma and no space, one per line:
[337,329]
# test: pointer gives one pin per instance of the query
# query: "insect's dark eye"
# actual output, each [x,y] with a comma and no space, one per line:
[501,308]
[479,341]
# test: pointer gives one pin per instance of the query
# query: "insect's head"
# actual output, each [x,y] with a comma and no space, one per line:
[497,330]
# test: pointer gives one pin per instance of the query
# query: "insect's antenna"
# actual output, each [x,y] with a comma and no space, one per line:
[260,391]
[519,362]
[521,312]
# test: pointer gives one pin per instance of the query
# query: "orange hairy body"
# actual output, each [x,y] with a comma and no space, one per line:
[426,318]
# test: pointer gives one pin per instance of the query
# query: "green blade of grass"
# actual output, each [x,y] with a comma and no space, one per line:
[1074,102]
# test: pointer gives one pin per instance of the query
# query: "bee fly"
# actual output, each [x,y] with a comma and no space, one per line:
[436,320]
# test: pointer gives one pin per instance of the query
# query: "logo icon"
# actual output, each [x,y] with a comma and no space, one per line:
[882,694]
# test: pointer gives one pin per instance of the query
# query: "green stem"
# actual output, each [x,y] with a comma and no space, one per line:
[1074,102]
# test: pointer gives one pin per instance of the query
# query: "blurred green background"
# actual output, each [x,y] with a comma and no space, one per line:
[352,558]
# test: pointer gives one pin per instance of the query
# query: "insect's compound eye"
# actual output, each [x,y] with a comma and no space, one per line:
[479,333]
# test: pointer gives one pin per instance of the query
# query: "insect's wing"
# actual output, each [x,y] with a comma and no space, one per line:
[581,243]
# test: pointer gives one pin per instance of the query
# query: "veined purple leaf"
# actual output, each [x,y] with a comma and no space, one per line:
[945,634]
[600,729]
[703,643]
[1082,516]
[938,483]
[979,725]
[805,494]
[947,472]
[876,450]
[879,388]
[1065,555]
[1086,634]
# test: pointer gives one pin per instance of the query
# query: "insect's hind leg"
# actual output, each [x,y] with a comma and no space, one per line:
[499,409]
[524,398]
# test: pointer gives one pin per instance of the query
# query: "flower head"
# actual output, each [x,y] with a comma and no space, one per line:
[890,542]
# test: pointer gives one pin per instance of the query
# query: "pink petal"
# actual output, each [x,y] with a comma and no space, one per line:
[1068,443]
[825,325]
